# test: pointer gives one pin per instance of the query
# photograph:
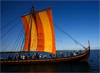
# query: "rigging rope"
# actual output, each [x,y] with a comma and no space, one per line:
[22,44]
[69,36]
[24,36]
[6,47]
[14,20]
[16,40]
[62,41]
[5,40]
[19,43]
[10,29]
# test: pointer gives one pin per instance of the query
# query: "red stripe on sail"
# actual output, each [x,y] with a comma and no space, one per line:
[27,33]
[49,12]
[40,33]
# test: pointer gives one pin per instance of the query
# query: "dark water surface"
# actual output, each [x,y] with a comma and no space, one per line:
[92,65]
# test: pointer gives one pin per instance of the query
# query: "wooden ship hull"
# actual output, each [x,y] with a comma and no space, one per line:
[78,58]
[36,24]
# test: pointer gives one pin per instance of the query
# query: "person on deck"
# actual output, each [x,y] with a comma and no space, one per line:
[50,55]
[57,56]
[30,57]
[34,56]
[66,54]
[54,56]
[44,56]
[77,52]
[9,57]
[23,57]
[40,56]
[37,55]
[62,55]
[15,57]
[71,54]
[26,57]
[19,56]
[74,54]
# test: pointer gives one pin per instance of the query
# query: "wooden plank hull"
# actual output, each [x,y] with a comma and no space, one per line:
[78,58]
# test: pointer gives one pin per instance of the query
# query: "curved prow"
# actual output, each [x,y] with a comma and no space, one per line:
[87,52]
[88,44]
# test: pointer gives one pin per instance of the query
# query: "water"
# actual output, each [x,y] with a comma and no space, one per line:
[92,65]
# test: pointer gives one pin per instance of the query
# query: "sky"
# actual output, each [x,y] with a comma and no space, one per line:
[80,19]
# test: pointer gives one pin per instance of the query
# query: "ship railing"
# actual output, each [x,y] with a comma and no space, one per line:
[42,58]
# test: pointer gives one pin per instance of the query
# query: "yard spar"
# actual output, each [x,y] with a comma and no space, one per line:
[39,31]
[39,35]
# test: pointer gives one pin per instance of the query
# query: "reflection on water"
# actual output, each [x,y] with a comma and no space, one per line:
[54,67]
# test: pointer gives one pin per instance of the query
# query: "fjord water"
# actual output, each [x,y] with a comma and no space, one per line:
[92,65]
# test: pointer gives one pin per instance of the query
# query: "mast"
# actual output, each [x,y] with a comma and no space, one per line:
[37,36]
[32,11]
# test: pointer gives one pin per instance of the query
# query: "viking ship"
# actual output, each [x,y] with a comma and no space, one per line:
[39,35]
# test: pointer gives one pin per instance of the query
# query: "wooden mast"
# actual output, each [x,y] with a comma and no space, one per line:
[32,11]
[39,10]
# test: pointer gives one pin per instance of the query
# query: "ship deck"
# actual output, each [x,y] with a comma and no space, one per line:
[82,57]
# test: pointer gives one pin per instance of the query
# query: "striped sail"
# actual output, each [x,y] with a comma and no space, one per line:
[42,32]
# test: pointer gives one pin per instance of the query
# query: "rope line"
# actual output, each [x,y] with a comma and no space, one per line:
[10,29]
[16,39]
[6,47]
[19,43]
[13,20]
[69,36]
[5,40]
[22,44]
